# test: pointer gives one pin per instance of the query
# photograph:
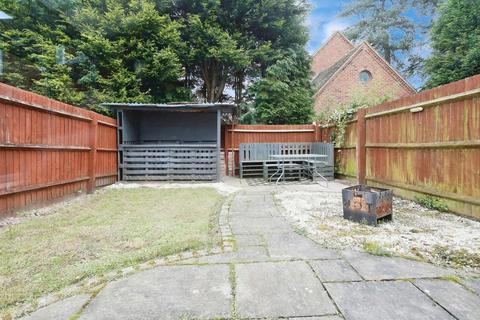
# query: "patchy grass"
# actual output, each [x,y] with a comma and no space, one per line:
[376,249]
[432,203]
[105,232]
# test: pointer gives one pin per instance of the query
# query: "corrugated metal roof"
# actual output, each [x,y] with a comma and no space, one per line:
[225,107]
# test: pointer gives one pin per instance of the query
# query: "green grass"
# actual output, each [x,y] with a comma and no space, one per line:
[102,233]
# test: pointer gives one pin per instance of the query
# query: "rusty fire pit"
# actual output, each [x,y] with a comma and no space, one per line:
[366,204]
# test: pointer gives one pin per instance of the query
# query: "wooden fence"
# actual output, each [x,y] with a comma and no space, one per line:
[427,143]
[49,149]
[234,135]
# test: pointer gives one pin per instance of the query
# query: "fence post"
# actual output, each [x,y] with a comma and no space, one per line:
[360,148]
[92,157]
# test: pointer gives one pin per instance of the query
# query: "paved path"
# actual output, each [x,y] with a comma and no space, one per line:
[276,273]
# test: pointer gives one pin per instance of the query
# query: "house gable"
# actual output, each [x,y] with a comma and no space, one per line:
[334,49]
[338,87]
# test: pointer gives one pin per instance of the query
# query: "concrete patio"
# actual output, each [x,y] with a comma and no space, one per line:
[275,272]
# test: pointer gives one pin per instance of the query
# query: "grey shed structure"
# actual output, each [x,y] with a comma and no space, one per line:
[169,141]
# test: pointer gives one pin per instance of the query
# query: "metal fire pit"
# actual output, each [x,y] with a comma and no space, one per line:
[365,204]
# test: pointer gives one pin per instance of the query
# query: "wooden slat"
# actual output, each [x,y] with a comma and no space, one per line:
[44,147]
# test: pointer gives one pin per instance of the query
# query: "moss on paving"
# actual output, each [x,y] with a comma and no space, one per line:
[105,232]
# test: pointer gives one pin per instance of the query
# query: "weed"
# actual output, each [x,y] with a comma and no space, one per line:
[452,278]
[376,249]
[233,283]
[432,203]
[457,258]
[300,231]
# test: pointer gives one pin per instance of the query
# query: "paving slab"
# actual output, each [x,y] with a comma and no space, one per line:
[317,318]
[463,304]
[61,310]
[252,204]
[373,300]
[387,268]
[280,289]
[473,284]
[252,254]
[334,270]
[246,225]
[200,292]
[289,245]
[249,240]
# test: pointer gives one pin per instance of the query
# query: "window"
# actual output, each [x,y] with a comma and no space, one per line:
[365,76]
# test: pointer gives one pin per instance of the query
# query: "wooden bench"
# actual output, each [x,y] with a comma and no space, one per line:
[255,158]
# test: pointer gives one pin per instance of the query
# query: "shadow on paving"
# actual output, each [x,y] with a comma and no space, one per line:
[274,273]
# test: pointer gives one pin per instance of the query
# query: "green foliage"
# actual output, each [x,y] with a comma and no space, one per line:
[284,96]
[432,203]
[86,52]
[455,42]
[362,96]
[394,27]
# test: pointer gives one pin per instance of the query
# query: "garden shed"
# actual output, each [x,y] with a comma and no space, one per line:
[169,141]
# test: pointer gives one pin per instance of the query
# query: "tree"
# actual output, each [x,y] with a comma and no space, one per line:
[234,42]
[31,43]
[129,52]
[284,96]
[455,42]
[393,27]
[90,51]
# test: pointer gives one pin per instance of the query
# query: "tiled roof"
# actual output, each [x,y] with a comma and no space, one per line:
[326,74]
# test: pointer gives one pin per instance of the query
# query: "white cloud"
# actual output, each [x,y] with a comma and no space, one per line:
[332,26]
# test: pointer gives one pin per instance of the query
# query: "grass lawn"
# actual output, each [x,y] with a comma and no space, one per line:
[104,232]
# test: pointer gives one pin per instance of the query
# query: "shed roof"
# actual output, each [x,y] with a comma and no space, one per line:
[194,107]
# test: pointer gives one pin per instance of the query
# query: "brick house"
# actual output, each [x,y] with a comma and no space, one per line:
[340,68]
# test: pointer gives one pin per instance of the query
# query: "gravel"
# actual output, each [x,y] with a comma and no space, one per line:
[222,188]
[416,232]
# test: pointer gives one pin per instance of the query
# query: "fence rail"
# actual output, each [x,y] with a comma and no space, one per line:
[427,143]
[49,150]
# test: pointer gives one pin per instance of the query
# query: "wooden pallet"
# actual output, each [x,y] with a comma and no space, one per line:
[168,162]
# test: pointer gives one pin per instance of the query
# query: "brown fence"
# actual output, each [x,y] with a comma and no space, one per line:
[427,143]
[234,135]
[49,149]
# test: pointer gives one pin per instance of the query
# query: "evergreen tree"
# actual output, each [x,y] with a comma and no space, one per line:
[455,43]
[393,27]
[284,96]
[86,52]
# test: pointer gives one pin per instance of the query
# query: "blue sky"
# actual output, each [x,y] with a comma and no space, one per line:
[323,21]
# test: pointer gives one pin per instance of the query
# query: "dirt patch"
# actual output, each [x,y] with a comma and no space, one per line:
[416,232]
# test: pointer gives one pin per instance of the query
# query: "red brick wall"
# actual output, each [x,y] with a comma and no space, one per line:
[346,81]
[335,48]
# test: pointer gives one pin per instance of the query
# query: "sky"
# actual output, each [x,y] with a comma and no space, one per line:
[323,21]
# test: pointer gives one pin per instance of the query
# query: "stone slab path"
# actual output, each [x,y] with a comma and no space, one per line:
[276,273]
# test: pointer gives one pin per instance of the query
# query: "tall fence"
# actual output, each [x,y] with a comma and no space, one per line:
[427,143]
[234,135]
[49,149]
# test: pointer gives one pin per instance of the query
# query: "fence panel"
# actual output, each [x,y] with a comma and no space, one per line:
[48,150]
[427,143]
